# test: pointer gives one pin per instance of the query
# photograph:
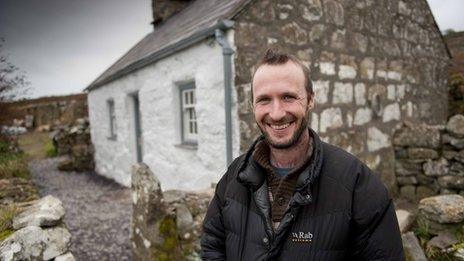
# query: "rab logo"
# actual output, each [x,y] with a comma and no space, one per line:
[302,237]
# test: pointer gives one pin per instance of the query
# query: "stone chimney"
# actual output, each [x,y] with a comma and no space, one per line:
[163,9]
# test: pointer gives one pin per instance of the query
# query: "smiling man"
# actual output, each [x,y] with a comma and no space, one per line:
[292,196]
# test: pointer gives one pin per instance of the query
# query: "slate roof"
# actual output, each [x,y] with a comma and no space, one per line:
[197,17]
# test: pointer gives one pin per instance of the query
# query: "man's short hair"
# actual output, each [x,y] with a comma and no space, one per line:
[274,57]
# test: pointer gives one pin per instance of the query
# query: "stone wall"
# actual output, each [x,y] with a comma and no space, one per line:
[455,43]
[430,159]
[45,111]
[74,140]
[165,225]
[363,57]
[40,233]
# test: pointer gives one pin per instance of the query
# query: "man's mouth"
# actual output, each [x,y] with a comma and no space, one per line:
[279,126]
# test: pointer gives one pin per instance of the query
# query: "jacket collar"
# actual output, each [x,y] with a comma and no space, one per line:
[250,174]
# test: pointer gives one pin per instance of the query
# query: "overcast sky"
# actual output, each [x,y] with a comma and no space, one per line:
[63,45]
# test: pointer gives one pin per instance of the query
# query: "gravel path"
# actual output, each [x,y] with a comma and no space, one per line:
[98,210]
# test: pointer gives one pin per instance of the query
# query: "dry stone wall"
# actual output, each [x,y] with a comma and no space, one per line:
[373,65]
[430,159]
[40,233]
[48,111]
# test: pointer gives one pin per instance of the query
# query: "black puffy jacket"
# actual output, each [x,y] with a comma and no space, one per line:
[340,210]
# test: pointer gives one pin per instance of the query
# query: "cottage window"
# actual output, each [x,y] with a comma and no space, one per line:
[188,114]
[112,119]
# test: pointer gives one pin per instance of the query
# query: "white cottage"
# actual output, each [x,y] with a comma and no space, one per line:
[179,99]
[163,102]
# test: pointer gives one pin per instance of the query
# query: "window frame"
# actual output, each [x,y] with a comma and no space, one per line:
[112,119]
[185,139]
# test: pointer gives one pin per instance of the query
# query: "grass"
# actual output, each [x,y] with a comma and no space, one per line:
[50,150]
[12,164]
[35,144]
[6,221]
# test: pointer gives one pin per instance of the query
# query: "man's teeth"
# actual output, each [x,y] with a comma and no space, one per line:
[280,127]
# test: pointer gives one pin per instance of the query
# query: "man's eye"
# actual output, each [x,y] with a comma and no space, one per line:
[263,100]
[288,98]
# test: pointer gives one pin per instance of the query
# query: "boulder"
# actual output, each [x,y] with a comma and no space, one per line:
[35,243]
[154,229]
[405,219]
[46,212]
[412,248]
[455,125]
[443,208]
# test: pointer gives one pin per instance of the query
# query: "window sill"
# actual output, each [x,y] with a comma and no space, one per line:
[190,146]
[112,138]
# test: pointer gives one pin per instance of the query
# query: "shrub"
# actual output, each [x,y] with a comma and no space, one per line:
[50,149]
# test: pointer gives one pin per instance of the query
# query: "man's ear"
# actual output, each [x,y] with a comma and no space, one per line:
[311,102]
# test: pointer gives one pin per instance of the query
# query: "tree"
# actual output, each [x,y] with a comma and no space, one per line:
[12,81]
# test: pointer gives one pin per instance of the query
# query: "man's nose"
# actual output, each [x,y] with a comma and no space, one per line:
[277,112]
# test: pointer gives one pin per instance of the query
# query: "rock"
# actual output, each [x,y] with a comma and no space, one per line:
[445,191]
[47,211]
[443,208]
[449,154]
[35,243]
[459,156]
[421,153]
[13,130]
[442,241]
[184,219]
[153,222]
[436,168]
[457,169]
[66,165]
[424,180]
[451,182]
[44,128]
[66,257]
[455,125]
[410,180]
[29,121]
[424,192]
[412,248]
[418,136]
[455,142]
[15,190]
[405,219]
[407,167]
[459,254]
[408,192]
[377,140]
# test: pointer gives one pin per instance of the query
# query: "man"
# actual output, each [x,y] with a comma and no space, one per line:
[292,196]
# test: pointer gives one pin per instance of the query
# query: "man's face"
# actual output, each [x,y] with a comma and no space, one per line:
[280,103]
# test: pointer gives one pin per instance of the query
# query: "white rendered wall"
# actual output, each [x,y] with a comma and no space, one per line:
[176,166]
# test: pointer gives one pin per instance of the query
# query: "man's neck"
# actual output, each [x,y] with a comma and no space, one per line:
[293,156]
